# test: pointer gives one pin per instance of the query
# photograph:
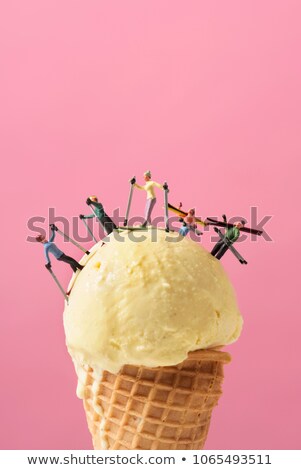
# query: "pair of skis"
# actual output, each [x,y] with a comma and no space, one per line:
[166,191]
[89,230]
[211,221]
[58,284]
[218,223]
[230,246]
[70,239]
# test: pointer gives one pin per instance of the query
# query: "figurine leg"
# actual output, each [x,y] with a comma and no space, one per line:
[222,251]
[73,263]
[217,247]
[183,231]
[107,224]
[148,211]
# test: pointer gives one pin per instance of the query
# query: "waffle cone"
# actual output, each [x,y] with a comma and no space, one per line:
[155,408]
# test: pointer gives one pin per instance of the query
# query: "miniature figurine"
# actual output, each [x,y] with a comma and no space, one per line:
[98,211]
[183,214]
[231,235]
[149,187]
[230,246]
[50,247]
[189,223]
[69,239]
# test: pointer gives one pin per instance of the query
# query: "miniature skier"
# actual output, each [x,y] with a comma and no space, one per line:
[149,187]
[231,235]
[189,223]
[98,211]
[50,247]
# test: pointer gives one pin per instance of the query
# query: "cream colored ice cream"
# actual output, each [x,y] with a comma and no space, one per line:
[149,302]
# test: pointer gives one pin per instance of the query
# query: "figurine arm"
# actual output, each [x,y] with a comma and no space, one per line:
[52,235]
[90,216]
[138,186]
[158,185]
[47,255]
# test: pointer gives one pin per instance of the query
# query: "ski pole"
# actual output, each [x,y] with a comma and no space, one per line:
[132,181]
[166,191]
[88,228]
[58,283]
[70,239]
[97,218]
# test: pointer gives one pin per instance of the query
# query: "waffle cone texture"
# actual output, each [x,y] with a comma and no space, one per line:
[155,408]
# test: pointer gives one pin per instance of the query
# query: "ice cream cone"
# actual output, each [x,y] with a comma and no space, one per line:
[165,407]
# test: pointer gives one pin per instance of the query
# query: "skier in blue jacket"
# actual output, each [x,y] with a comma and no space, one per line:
[50,247]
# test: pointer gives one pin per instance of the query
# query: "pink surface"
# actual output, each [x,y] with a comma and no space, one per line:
[207,95]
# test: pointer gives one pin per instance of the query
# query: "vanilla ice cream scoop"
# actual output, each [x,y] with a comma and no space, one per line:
[148,298]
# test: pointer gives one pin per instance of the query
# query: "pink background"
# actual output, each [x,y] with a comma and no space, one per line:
[207,95]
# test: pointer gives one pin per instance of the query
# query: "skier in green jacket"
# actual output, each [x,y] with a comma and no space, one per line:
[99,212]
[231,235]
